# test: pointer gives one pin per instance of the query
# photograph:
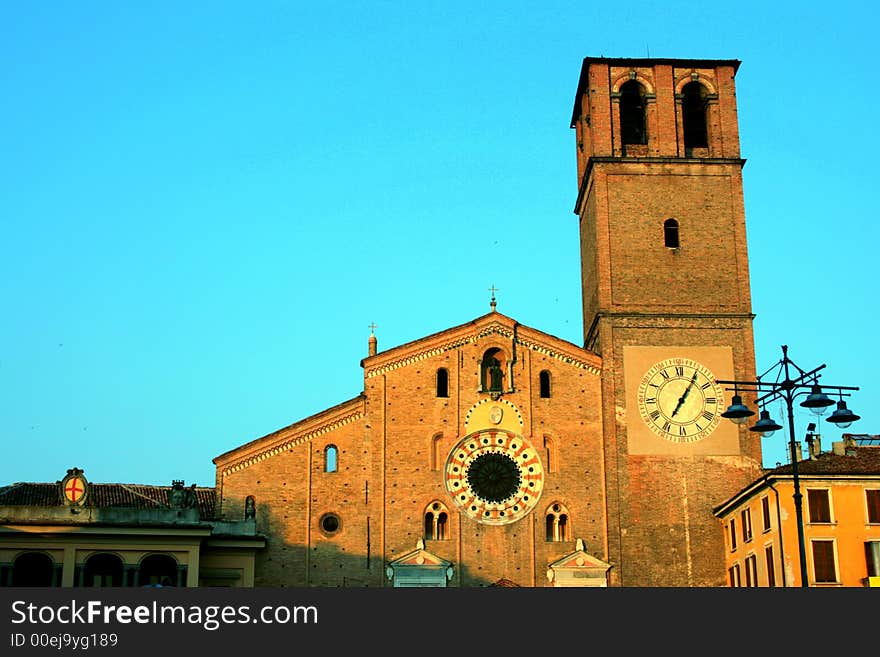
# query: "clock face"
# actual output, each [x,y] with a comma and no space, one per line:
[494,476]
[679,400]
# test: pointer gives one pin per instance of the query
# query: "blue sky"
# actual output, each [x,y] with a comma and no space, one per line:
[205,204]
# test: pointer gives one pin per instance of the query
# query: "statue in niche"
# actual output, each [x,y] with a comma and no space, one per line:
[250,508]
[495,375]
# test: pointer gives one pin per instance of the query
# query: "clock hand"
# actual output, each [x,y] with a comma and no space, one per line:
[685,394]
[678,405]
[687,390]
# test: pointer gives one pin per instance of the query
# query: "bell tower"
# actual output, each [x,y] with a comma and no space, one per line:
[667,305]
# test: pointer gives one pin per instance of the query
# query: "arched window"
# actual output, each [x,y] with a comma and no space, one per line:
[158,570]
[632,114]
[436,522]
[670,233]
[442,382]
[544,383]
[693,115]
[492,370]
[330,458]
[32,569]
[557,524]
[103,570]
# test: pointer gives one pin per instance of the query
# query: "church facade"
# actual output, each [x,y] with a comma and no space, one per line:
[492,453]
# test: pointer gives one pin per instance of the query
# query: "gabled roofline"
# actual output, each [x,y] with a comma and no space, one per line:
[413,344]
[453,337]
[285,437]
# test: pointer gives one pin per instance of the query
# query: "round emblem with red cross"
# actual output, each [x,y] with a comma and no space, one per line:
[74,487]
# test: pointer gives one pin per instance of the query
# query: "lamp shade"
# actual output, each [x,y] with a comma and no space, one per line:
[817,401]
[842,416]
[737,411]
[766,426]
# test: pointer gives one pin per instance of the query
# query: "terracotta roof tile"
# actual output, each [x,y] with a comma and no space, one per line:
[134,496]
[864,461]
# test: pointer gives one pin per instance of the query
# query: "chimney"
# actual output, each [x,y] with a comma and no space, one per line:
[814,445]
[845,447]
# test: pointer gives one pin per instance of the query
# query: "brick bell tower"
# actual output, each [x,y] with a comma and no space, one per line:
[666,303]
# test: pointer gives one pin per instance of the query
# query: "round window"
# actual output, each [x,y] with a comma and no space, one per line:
[330,523]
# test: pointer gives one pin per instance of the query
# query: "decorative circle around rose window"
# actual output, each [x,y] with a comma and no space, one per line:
[494,476]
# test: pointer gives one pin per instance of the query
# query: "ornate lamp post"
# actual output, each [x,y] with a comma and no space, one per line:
[788,389]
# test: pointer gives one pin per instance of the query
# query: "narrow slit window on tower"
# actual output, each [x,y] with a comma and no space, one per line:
[442,382]
[632,114]
[670,234]
[693,115]
[544,383]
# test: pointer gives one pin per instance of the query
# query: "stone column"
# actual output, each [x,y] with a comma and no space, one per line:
[181,575]
[130,575]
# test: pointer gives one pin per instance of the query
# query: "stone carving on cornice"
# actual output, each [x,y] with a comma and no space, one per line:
[291,442]
[491,329]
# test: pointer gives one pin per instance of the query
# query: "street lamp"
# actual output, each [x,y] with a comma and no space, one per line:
[789,389]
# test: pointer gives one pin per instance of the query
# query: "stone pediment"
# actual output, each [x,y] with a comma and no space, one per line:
[419,568]
[420,557]
[579,568]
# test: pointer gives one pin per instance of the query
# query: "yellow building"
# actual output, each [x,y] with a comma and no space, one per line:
[840,492]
